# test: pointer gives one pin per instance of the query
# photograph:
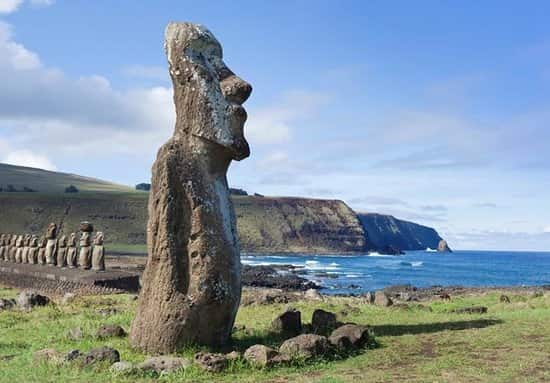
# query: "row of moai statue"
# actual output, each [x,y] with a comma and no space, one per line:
[53,251]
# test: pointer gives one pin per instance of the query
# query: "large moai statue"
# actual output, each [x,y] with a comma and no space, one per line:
[98,254]
[42,250]
[62,251]
[33,250]
[19,249]
[85,254]
[26,248]
[13,247]
[51,245]
[72,257]
[191,286]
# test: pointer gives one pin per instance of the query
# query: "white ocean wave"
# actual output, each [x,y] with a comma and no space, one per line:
[417,264]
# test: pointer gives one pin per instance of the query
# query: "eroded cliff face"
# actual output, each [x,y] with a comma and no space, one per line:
[386,230]
[264,224]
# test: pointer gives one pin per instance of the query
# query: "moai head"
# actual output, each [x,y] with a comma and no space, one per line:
[62,241]
[42,242]
[98,240]
[19,242]
[13,240]
[84,239]
[207,94]
[51,233]
[34,241]
[72,240]
[2,240]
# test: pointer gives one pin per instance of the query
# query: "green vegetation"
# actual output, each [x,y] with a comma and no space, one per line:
[509,344]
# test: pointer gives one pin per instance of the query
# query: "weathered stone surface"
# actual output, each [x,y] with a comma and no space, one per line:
[73,355]
[102,354]
[211,362]
[98,254]
[382,299]
[110,330]
[33,251]
[164,364]
[349,336]
[233,355]
[62,251]
[68,298]
[505,299]
[72,258]
[443,247]
[49,355]
[288,323]
[51,244]
[42,250]
[122,367]
[6,303]
[313,295]
[305,346]
[85,252]
[323,321]
[193,269]
[260,355]
[29,299]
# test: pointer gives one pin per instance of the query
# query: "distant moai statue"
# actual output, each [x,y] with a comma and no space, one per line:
[72,258]
[85,254]
[62,251]
[33,250]
[26,248]
[2,247]
[51,245]
[19,249]
[13,247]
[42,250]
[98,255]
[192,281]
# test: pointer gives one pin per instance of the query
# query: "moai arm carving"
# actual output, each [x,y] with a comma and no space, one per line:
[191,285]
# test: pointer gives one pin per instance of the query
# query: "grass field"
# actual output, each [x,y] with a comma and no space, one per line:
[509,344]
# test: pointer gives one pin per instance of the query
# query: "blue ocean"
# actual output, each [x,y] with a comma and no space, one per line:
[340,274]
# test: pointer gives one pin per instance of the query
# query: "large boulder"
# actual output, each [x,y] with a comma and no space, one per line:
[305,346]
[102,354]
[110,330]
[211,362]
[263,356]
[164,364]
[6,304]
[29,299]
[288,323]
[323,321]
[349,336]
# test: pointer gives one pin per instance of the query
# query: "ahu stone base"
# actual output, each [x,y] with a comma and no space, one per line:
[56,281]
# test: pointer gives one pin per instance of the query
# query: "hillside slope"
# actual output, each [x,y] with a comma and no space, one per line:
[45,181]
[383,230]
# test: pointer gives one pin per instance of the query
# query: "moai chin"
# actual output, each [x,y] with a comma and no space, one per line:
[42,250]
[62,251]
[51,245]
[191,286]
[98,254]
[33,250]
[85,254]
[72,259]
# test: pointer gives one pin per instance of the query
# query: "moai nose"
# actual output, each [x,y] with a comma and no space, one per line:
[236,89]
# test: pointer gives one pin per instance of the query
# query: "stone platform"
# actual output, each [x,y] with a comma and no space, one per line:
[58,281]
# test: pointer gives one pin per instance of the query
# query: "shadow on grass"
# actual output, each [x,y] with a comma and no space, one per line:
[426,328]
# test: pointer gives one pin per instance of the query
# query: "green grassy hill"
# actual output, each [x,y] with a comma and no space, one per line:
[45,181]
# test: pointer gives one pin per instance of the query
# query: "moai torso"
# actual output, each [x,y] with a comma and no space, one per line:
[98,255]
[33,251]
[42,251]
[19,250]
[13,248]
[51,245]
[72,259]
[85,253]
[62,251]
[26,248]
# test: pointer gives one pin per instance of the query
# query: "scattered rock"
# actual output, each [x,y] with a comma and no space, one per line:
[164,364]
[233,355]
[471,310]
[68,298]
[122,367]
[323,321]
[368,298]
[134,297]
[349,336]
[7,304]
[288,323]
[75,333]
[260,355]
[505,299]
[73,355]
[211,362]
[390,250]
[538,294]
[29,299]
[110,330]
[268,276]
[107,311]
[313,295]
[305,346]
[101,354]
[49,355]
[381,299]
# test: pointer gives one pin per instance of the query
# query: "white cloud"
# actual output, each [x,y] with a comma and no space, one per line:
[42,3]
[546,229]
[29,159]
[147,72]
[9,6]
[274,124]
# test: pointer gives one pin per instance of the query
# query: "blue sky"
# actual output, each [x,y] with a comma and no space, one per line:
[433,111]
